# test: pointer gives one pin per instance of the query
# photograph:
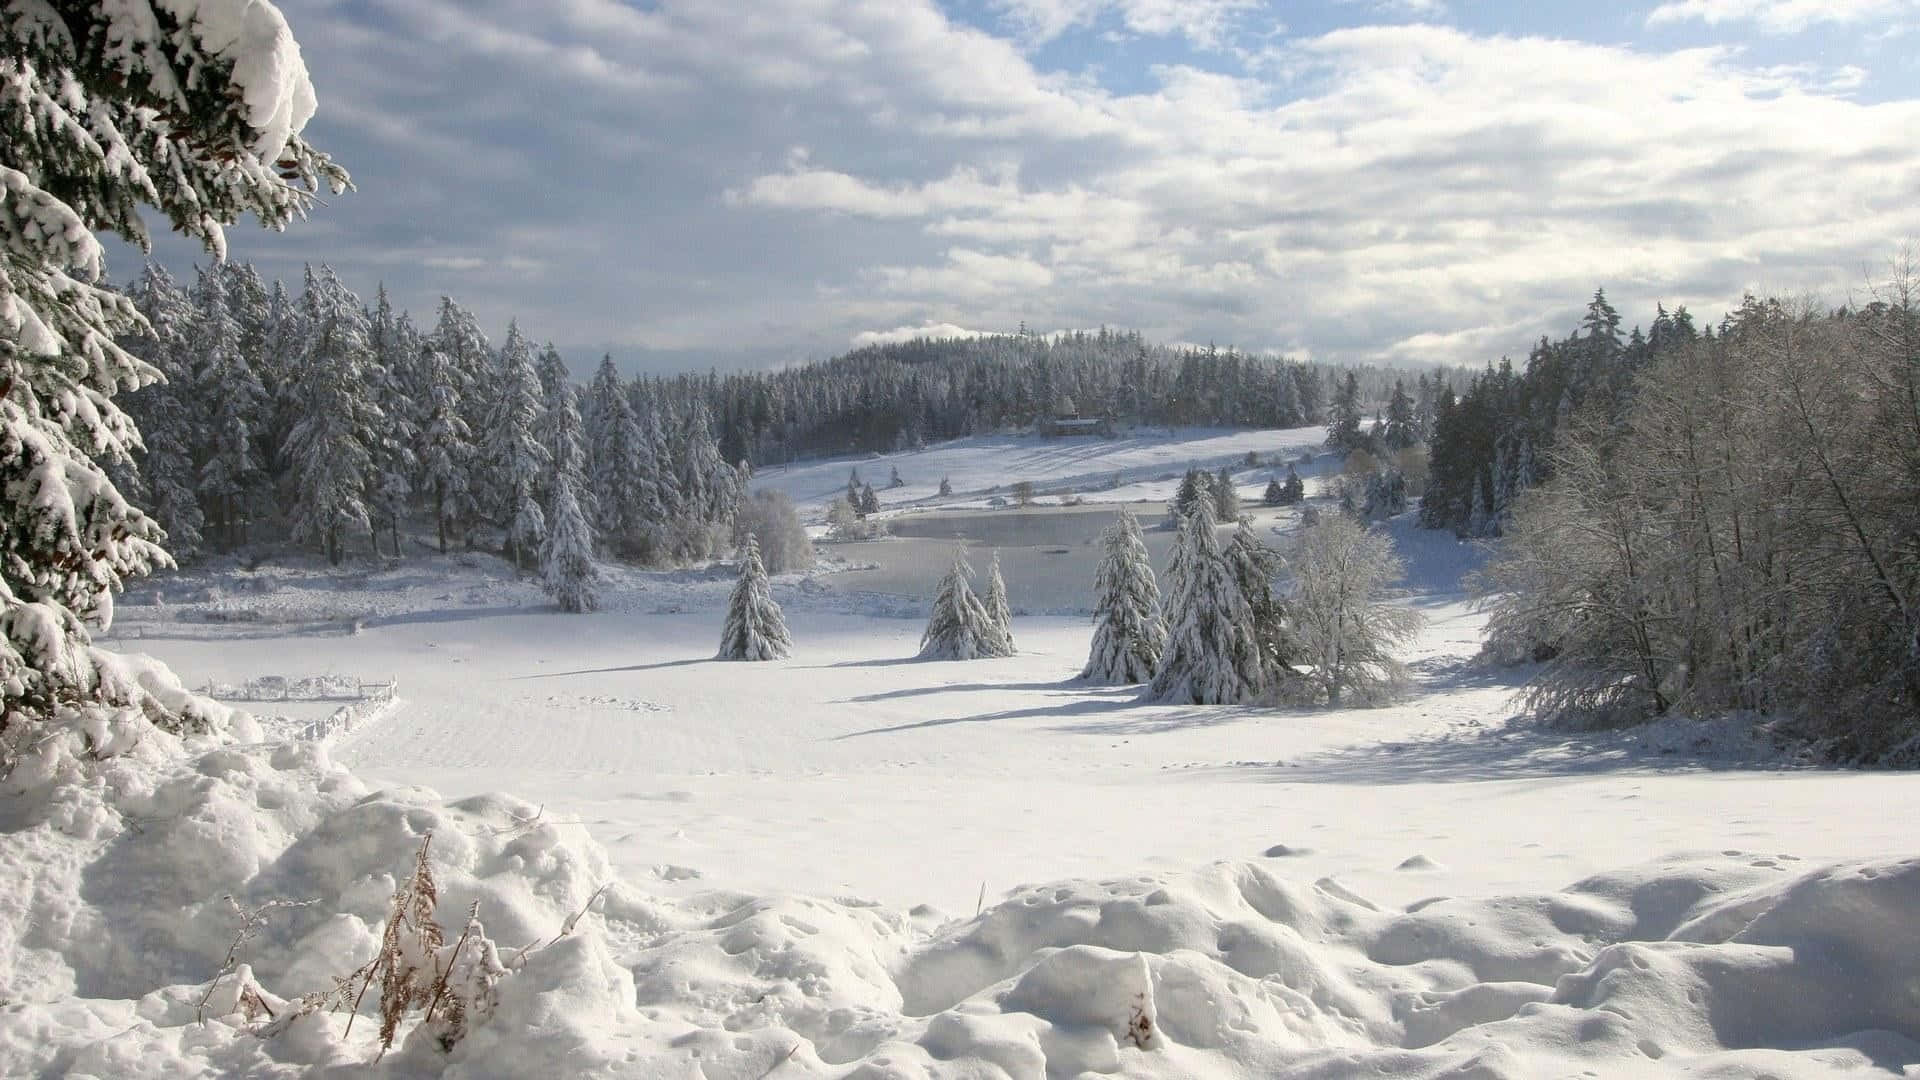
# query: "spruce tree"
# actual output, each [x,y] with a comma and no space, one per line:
[1275,495]
[1253,566]
[1343,417]
[1212,655]
[566,558]
[997,607]
[327,447]
[390,382]
[108,108]
[445,453]
[1129,632]
[959,628]
[1294,490]
[516,458]
[869,502]
[235,401]
[755,628]
[1226,501]
[165,481]
[620,462]
[946,487]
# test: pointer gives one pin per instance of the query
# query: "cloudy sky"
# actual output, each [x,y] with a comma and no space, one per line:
[695,182]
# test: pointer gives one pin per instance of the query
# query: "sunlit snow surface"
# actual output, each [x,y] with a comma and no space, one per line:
[801,845]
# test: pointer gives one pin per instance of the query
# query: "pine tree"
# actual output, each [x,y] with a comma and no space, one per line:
[946,487]
[389,381]
[516,458]
[1212,655]
[1275,495]
[1195,485]
[1129,632]
[893,479]
[165,481]
[446,452]
[869,502]
[755,628]
[562,425]
[620,463]
[458,336]
[107,108]
[1400,430]
[1226,501]
[997,607]
[566,558]
[959,628]
[236,403]
[1343,417]
[1253,567]
[327,448]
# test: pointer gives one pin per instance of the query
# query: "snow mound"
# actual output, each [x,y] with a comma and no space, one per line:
[116,923]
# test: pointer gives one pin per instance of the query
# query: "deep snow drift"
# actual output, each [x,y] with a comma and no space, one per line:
[780,862]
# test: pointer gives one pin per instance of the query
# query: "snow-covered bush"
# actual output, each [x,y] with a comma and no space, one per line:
[769,517]
[1340,611]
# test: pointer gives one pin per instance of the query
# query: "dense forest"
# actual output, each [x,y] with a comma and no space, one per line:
[314,416]
[1703,519]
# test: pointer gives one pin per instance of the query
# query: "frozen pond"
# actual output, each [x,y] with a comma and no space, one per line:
[1048,554]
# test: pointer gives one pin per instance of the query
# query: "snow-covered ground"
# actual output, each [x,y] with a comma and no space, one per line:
[801,847]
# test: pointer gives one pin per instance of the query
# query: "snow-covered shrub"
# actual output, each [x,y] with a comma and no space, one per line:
[769,517]
[1340,611]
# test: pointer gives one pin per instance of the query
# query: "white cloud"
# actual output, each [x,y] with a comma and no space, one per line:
[898,334]
[1411,191]
[1781,16]
[1204,22]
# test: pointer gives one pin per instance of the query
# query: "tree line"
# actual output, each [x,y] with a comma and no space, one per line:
[1699,520]
[318,418]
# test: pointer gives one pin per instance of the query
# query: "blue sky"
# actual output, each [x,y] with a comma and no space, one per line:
[748,182]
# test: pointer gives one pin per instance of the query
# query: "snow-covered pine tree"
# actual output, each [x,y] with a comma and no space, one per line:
[566,558]
[1195,485]
[516,458]
[445,447]
[959,628]
[1275,495]
[389,380]
[236,405]
[1129,633]
[1254,566]
[562,425]
[997,607]
[457,334]
[1226,501]
[869,501]
[328,446]
[755,628]
[1294,490]
[165,480]
[107,107]
[946,487]
[1212,656]
[620,465]
[893,479]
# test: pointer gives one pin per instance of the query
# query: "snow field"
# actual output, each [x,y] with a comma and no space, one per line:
[848,863]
